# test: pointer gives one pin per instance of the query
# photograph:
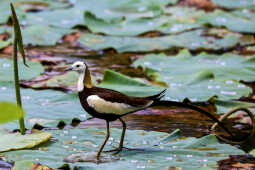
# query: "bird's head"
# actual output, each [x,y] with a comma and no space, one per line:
[78,66]
[83,69]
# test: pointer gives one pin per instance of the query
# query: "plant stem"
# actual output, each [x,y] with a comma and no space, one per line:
[17,87]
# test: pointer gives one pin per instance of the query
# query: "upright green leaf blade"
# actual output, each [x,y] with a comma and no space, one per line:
[18,36]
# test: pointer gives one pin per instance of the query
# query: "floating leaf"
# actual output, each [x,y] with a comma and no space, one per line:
[127,85]
[186,39]
[62,18]
[25,165]
[6,70]
[45,106]
[203,76]
[19,141]
[238,4]
[151,150]
[4,44]
[130,9]
[237,21]
[44,35]
[9,112]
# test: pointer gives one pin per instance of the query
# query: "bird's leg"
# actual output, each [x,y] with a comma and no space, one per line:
[106,139]
[124,127]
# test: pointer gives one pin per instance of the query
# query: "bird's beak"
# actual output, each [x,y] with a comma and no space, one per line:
[68,69]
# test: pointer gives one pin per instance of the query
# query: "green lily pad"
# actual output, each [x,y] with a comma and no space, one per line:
[6,11]
[238,4]
[62,18]
[121,26]
[201,77]
[65,80]
[46,107]
[4,44]
[19,141]
[9,112]
[186,39]
[130,9]
[152,150]
[236,21]
[26,73]
[43,35]
[25,165]
[127,85]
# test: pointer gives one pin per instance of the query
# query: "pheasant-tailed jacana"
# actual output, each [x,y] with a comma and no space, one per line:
[111,105]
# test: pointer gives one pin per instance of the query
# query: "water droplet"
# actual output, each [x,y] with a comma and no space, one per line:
[194,45]
[141,166]
[141,9]
[73,1]
[6,65]
[147,63]
[189,156]
[210,87]
[217,86]
[66,22]
[134,161]
[222,20]
[169,158]
[241,86]
[150,23]
[26,97]
[65,132]
[231,93]
[205,160]
[145,142]
[74,137]
[193,99]
[174,147]
[83,115]
[65,146]
[229,82]
[111,138]
[37,159]
[223,63]
[3,88]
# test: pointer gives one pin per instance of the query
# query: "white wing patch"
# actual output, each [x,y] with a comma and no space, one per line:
[102,106]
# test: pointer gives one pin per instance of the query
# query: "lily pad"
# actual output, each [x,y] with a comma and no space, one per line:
[238,4]
[43,35]
[151,150]
[25,165]
[26,73]
[4,44]
[121,26]
[46,107]
[184,40]
[240,21]
[130,9]
[201,77]
[62,18]
[127,85]
[19,141]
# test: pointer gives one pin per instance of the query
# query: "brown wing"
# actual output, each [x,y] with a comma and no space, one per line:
[115,96]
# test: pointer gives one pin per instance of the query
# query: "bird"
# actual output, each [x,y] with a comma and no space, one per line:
[110,105]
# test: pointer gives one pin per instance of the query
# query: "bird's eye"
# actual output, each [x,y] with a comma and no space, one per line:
[78,66]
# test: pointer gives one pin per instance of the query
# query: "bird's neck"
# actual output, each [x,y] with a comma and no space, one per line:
[84,80]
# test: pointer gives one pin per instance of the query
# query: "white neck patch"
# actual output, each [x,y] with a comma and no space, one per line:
[80,84]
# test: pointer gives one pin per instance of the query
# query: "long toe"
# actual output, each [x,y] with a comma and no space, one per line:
[113,150]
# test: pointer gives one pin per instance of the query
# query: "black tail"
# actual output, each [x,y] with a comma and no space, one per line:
[157,96]
[193,107]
